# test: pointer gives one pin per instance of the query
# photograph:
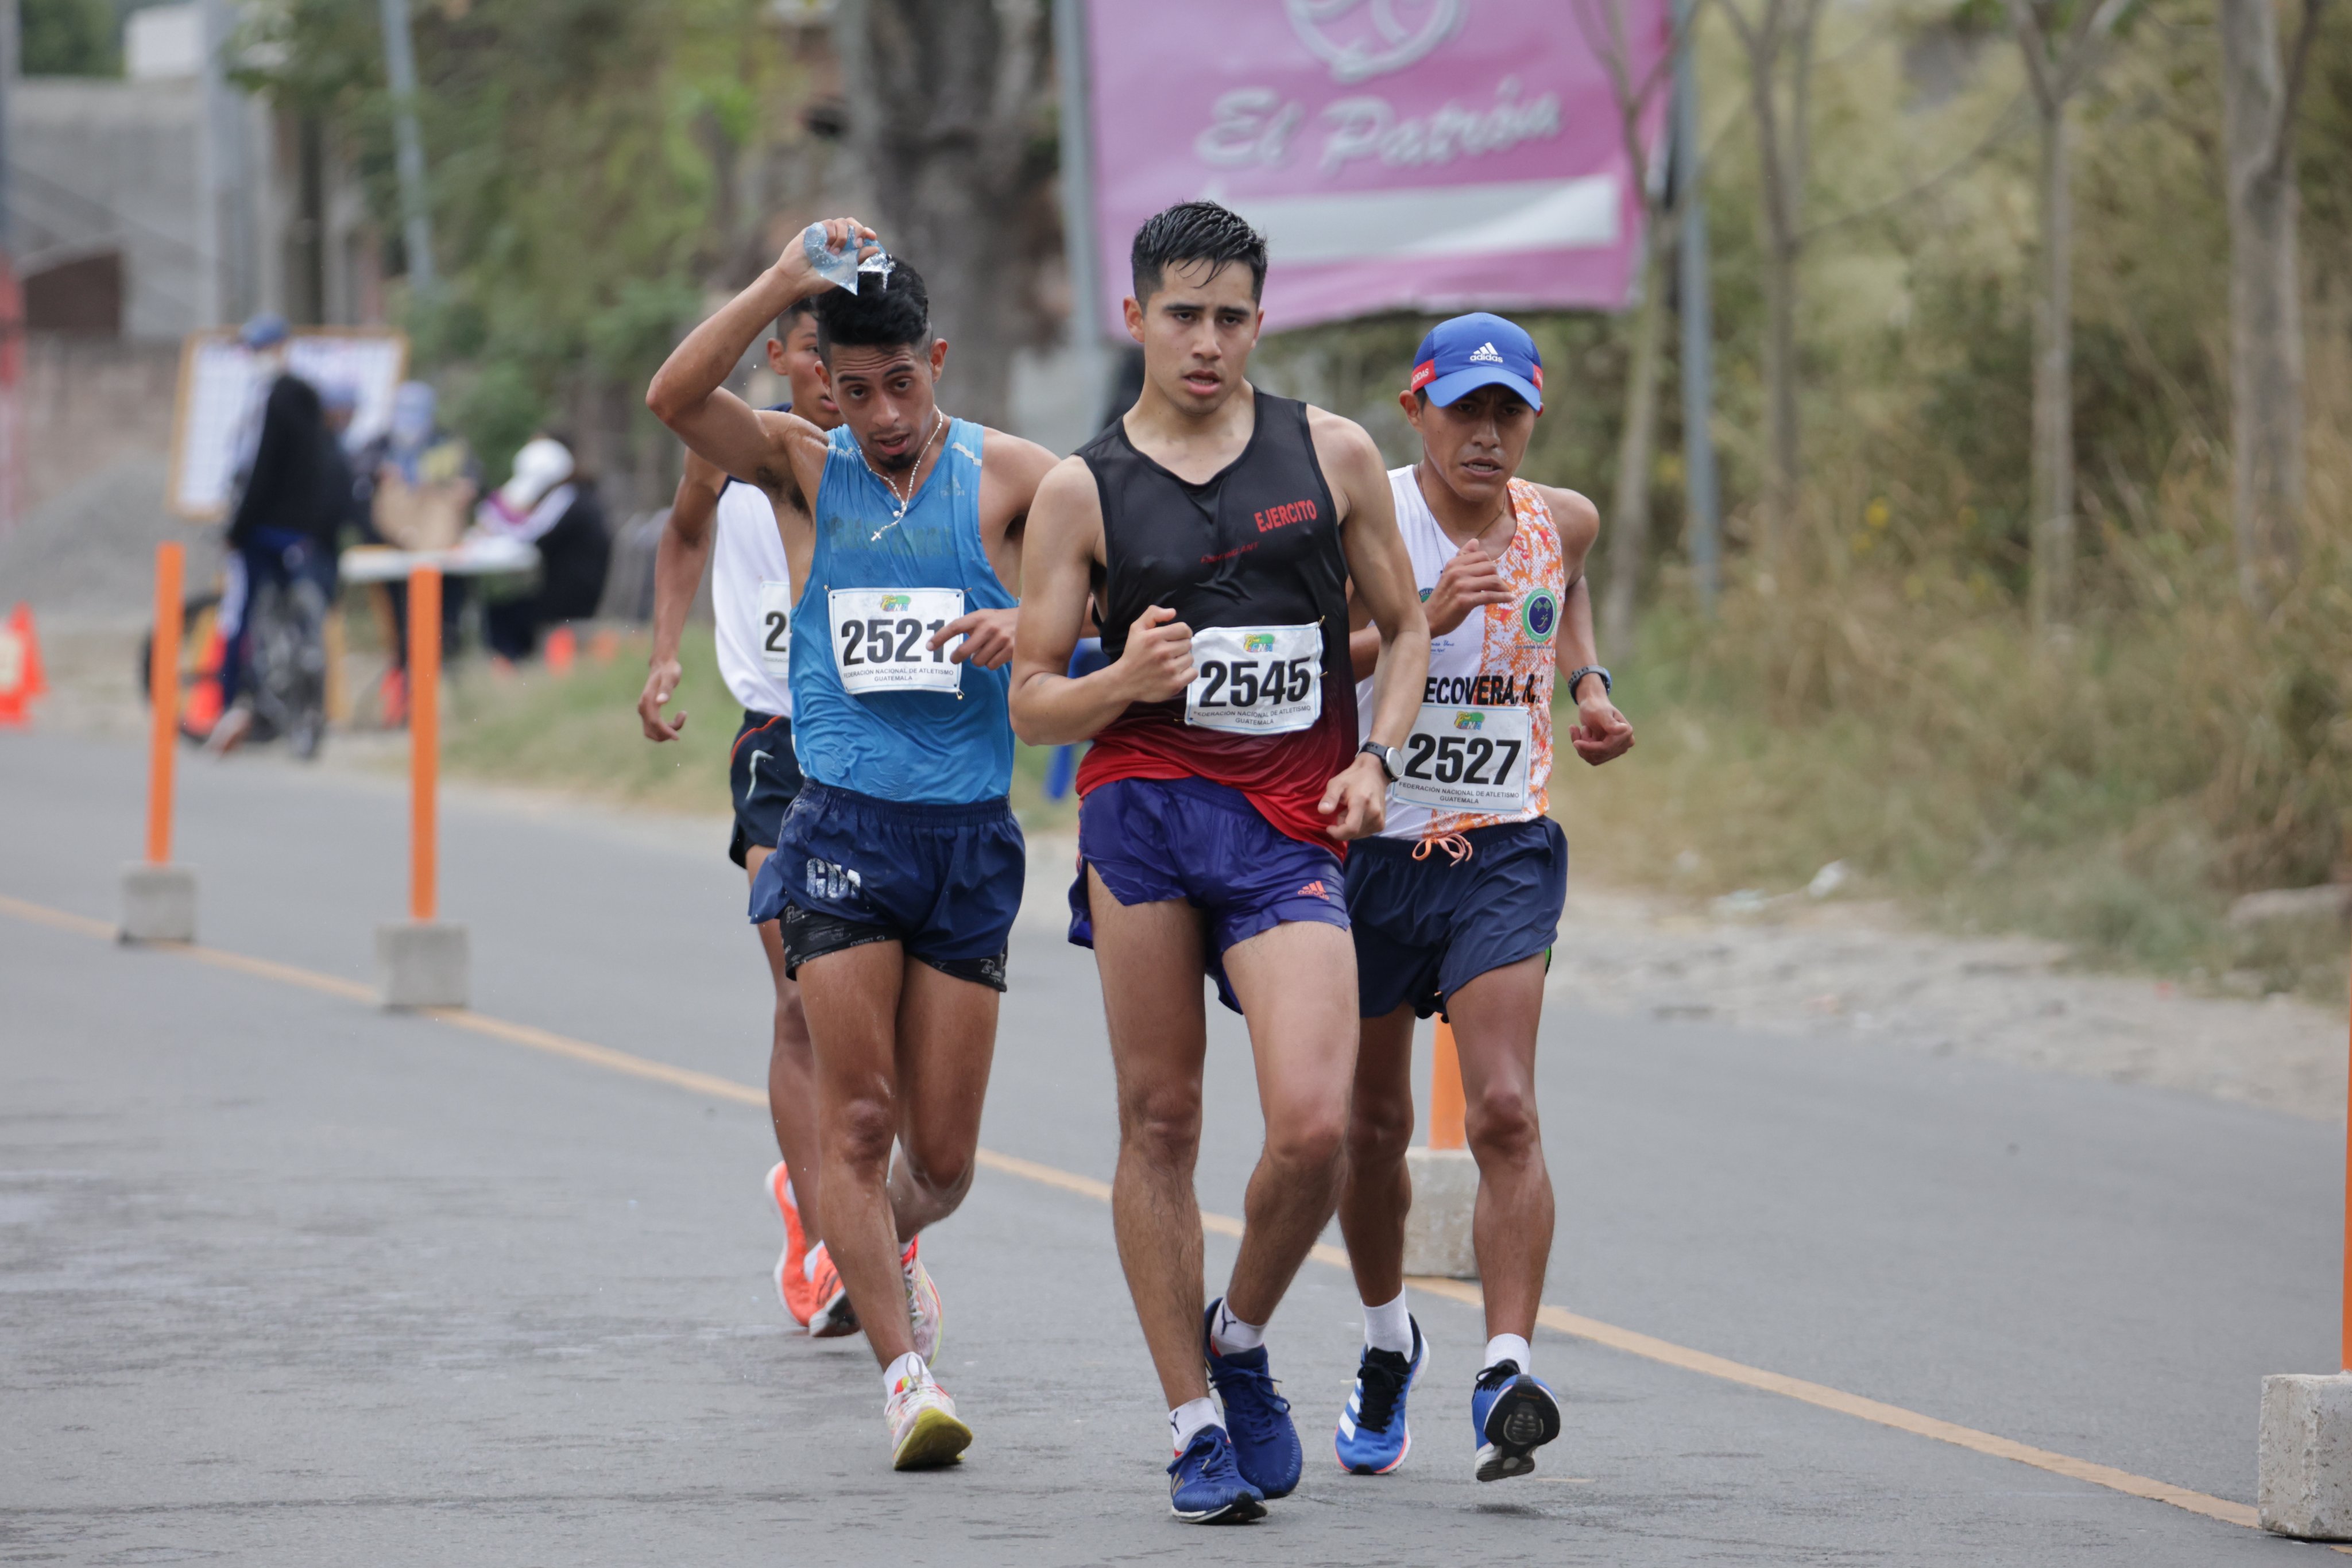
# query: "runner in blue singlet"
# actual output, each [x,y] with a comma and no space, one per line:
[898,870]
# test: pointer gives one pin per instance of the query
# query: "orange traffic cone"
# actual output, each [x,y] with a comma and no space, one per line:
[15,665]
[37,681]
[562,646]
[606,645]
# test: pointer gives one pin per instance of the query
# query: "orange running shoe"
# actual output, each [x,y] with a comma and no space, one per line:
[834,1315]
[793,1287]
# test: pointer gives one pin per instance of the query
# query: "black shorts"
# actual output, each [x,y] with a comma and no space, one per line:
[942,880]
[764,777]
[1427,927]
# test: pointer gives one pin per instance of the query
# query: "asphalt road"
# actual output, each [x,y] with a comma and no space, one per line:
[286,1279]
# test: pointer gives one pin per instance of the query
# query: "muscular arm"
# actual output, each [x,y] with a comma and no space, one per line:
[1601,732]
[1381,570]
[1064,540]
[779,453]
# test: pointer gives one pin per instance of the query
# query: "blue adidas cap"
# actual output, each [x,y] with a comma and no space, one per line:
[1476,350]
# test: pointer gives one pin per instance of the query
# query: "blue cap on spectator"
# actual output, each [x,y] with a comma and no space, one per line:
[266,331]
[1475,350]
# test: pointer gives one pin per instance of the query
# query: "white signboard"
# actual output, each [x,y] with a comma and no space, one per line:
[223,385]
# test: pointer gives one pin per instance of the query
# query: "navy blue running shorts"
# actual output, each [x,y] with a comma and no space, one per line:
[1154,840]
[1427,927]
[943,881]
[764,774]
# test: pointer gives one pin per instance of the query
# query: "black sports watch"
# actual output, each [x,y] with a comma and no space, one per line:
[1383,754]
[1607,685]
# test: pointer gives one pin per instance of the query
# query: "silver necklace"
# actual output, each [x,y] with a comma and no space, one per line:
[939,422]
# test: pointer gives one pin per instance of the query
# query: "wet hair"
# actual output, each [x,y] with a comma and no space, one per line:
[805,306]
[897,315]
[1195,231]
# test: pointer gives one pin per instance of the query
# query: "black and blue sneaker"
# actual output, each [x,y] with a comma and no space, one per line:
[1374,1437]
[1513,1415]
[1204,1487]
[1265,1443]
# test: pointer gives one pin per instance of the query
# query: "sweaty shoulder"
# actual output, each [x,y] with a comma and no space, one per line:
[1016,462]
[1577,521]
[1350,458]
[1069,499]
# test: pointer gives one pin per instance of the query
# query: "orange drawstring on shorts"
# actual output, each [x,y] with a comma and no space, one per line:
[1453,844]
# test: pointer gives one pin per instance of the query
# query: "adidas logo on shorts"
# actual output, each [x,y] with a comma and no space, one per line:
[1486,355]
[1314,890]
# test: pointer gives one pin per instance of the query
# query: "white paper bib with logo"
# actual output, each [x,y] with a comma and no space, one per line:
[1255,679]
[1467,759]
[776,629]
[881,639]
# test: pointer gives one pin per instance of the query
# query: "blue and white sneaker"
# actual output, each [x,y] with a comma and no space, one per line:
[1265,1443]
[1373,1438]
[1204,1487]
[1513,1415]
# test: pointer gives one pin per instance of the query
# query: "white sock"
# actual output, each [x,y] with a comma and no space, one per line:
[909,1367]
[1231,1336]
[810,1259]
[1510,1347]
[1389,1327]
[791,1193]
[1184,1422]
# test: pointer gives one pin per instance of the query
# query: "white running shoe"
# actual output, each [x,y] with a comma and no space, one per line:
[924,1430]
[924,1316]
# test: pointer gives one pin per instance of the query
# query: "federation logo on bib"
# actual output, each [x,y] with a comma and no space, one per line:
[1262,642]
[1469,719]
[896,601]
[1539,616]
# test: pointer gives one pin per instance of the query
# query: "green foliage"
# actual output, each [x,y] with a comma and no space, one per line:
[69,38]
[574,149]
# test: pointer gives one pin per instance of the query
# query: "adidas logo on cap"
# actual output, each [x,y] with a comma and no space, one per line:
[1485,355]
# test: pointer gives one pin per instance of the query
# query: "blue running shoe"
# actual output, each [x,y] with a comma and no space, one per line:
[1265,1443]
[1373,1438]
[1204,1487]
[1514,1415]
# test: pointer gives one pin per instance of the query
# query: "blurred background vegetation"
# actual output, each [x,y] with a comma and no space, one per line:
[1875,688]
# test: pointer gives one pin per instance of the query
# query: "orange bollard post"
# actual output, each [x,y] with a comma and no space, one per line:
[1445,1104]
[561,645]
[423,740]
[425,962]
[164,700]
[159,899]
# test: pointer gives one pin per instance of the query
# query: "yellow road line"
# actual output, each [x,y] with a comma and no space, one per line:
[1555,1318]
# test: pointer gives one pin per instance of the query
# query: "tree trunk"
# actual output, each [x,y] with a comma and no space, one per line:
[1629,511]
[2265,307]
[2054,408]
[1781,191]
[941,104]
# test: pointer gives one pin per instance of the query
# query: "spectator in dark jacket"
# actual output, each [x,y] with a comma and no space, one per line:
[293,499]
[548,504]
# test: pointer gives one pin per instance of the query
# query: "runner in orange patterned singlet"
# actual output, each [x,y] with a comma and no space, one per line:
[1455,905]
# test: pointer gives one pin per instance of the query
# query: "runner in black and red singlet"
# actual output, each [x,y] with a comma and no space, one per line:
[1216,528]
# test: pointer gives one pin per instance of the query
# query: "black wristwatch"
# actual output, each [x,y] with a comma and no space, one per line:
[1606,684]
[1383,754]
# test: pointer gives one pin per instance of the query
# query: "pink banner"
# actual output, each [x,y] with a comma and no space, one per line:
[1421,154]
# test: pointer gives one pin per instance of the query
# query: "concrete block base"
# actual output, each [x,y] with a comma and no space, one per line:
[423,964]
[159,903]
[2304,1481]
[1437,1228]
